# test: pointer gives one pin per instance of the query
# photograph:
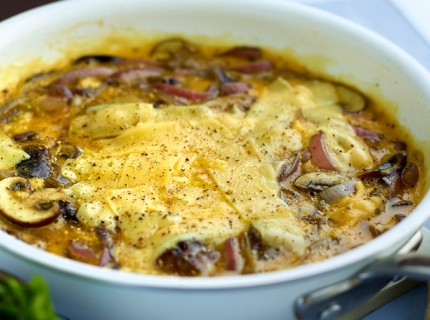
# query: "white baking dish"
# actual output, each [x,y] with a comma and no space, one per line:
[321,42]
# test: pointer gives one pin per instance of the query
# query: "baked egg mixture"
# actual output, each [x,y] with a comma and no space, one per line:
[198,161]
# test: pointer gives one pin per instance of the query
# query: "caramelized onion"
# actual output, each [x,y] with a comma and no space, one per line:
[319,152]
[367,134]
[255,67]
[60,92]
[186,93]
[234,259]
[139,63]
[78,74]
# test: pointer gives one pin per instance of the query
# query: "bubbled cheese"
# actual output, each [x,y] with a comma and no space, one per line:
[177,173]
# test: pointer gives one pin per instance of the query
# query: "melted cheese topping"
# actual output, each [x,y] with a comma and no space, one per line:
[11,155]
[187,172]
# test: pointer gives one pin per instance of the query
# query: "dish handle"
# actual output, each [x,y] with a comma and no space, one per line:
[331,302]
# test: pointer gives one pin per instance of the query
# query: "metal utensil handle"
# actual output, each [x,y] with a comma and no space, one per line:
[333,301]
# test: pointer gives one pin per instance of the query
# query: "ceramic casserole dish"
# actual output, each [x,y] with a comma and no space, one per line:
[329,46]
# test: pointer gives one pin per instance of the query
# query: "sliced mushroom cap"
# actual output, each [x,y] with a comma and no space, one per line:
[188,258]
[39,165]
[319,181]
[394,164]
[27,209]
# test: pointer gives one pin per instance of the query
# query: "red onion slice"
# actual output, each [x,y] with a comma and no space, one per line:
[367,134]
[106,239]
[250,53]
[234,259]
[234,87]
[185,93]
[255,67]
[105,257]
[59,91]
[58,98]
[139,63]
[319,152]
[80,251]
[288,169]
[77,74]
[338,192]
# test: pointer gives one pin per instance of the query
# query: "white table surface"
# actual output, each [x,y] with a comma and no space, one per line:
[407,24]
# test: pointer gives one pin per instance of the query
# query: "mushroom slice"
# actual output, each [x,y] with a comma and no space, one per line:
[28,209]
[319,181]
[394,164]
[188,258]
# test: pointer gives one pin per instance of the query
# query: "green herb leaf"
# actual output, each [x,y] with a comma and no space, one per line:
[21,301]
